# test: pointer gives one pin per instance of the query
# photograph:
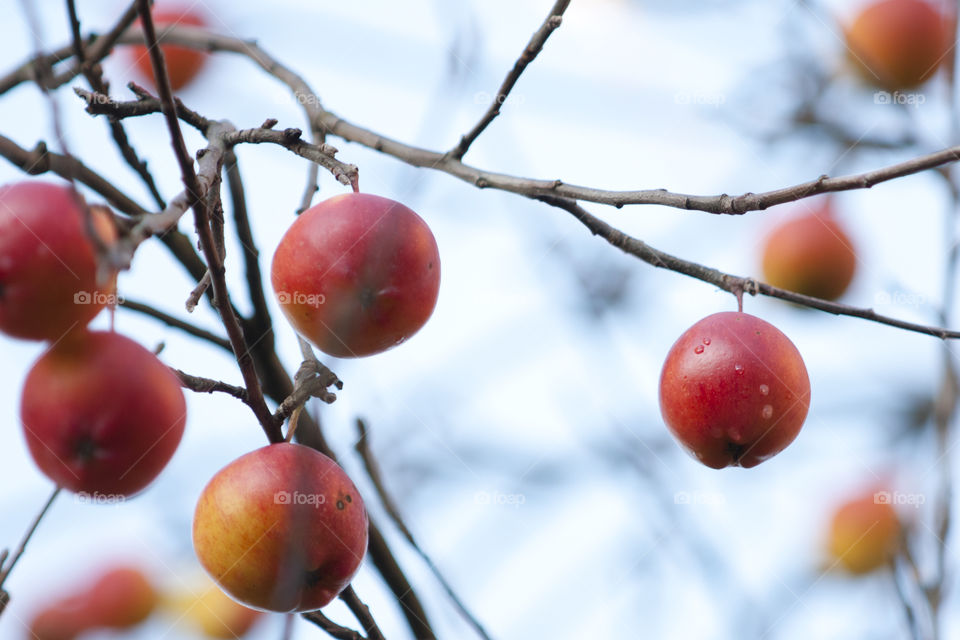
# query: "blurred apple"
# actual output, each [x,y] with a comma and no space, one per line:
[120,598]
[183,63]
[48,264]
[810,253]
[210,611]
[864,533]
[900,44]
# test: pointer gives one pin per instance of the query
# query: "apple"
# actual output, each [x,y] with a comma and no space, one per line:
[101,415]
[281,528]
[61,620]
[900,44]
[810,253]
[357,274]
[119,598]
[864,533]
[734,390]
[211,612]
[48,264]
[183,63]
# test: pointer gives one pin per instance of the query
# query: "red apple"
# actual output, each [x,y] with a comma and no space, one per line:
[810,254]
[62,620]
[734,390]
[357,274]
[864,533]
[281,528]
[119,598]
[101,415]
[183,63]
[900,44]
[48,265]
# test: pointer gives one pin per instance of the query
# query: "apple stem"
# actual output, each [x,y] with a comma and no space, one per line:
[294,419]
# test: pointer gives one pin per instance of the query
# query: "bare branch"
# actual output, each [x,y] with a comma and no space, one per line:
[208,385]
[332,629]
[728,282]
[376,477]
[5,571]
[312,380]
[530,52]
[176,323]
[362,613]
[195,194]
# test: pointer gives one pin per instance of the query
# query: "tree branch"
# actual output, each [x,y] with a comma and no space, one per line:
[376,477]
[5,570]
[208,385]
[175,323]
[530,52]
[728,282]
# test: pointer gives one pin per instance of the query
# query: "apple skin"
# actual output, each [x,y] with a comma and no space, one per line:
[811,254]
[274,554]
[214,614]
[357,274]
[101,415]
[121,597]
[183,63]
[900,44]
[62,620]
[734,390]
[47,259]
[864,534]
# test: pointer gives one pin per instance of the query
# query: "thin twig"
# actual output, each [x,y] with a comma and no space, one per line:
[728,282]
[41,160]
[174,322]
[208,245]
[312,380]
[332,629]
[208,385]
[259,320]
[530,52]
[362,613]
[376,477]
[332,124]
[5,571]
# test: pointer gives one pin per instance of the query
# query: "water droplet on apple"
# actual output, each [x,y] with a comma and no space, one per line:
[767,411]
[698,348]
[764,390]
[738,368]
[706,341]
